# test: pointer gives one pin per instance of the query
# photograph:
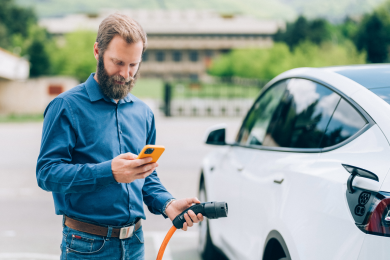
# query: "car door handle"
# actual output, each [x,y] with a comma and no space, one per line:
[279,181]
[239,167]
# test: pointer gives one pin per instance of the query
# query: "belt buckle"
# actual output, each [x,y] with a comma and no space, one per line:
[126,232]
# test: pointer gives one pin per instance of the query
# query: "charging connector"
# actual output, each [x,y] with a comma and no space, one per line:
[211,210]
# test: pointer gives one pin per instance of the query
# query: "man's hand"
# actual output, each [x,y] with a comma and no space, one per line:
[178,206]
[127,168]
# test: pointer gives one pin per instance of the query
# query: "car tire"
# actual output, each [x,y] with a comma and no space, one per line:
[206,248]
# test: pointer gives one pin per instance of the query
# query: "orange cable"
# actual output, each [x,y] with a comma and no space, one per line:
[165,243]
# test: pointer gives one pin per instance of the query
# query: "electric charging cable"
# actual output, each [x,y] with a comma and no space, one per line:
[211,210]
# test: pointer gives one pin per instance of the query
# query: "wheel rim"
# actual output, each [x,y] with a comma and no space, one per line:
[203,226]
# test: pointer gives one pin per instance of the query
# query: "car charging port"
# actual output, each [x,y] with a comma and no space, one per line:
[371,211]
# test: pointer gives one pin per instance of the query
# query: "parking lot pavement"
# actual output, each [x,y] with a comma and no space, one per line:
[29,229]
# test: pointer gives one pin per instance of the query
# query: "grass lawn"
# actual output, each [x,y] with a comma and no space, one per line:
[21,118]
[216,91]
[154,88]
[148,88]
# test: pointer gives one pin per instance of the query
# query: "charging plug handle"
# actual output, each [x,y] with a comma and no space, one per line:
[211,210]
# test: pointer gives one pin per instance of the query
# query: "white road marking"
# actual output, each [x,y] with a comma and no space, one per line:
[28,256]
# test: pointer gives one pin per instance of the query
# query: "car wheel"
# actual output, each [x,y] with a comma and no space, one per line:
[205,246]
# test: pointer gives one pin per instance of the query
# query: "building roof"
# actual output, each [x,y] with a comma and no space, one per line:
[170,22]
[12,67]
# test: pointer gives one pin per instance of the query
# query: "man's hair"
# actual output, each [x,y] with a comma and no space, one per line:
[122,25]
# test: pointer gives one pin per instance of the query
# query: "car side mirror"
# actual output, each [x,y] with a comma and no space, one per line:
[216,135]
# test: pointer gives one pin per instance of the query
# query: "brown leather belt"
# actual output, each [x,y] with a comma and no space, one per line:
[89,228]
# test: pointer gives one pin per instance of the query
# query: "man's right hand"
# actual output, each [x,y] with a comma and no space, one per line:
[127,168]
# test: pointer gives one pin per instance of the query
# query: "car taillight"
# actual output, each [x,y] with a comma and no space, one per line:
[371,211]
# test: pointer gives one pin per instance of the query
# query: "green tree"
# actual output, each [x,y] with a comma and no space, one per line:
[36,48]
[39,59]
[14,20]
[75,57]
[348,28]
[265,64]
[3,36]
[19,33]
[373,38]
[316,31]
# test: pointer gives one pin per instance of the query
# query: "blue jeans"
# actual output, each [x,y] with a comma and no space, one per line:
[80,245]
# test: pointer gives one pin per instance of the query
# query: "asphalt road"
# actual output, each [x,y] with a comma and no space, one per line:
[29,228]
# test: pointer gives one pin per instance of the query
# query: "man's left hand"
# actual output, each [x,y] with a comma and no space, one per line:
[178,206]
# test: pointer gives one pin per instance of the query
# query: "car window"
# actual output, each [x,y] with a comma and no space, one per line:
[254,128]
[302,115]
[345,122]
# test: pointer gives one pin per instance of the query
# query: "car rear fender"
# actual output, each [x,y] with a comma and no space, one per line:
[275,235]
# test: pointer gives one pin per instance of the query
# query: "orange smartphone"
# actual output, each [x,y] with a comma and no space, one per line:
[154,151]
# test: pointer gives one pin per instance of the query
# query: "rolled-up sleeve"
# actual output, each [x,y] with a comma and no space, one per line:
[154,193]
[54,171]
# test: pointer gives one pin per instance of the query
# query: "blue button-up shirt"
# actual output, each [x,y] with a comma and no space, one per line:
[83,131]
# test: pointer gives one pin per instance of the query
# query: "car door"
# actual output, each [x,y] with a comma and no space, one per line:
[253,205]
[275,182]
[227,175]
[226,186]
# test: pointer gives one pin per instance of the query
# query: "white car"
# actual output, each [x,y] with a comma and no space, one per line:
[307,176]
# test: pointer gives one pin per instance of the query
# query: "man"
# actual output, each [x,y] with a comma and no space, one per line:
[90,141]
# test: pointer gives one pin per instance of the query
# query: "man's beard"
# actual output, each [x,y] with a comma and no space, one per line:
[107,83]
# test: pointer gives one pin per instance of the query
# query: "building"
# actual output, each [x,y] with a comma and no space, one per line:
[21,95]
[13,67]
[181,44]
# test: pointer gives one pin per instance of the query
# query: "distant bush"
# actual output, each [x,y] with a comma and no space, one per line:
[268,63]
[75,57]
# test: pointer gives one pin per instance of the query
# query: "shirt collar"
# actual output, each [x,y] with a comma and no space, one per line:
[96,94]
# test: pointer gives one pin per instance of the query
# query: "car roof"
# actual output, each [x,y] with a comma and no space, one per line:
[347,79]
[368,75]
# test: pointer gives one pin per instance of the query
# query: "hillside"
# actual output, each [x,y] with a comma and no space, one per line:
[276,9]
